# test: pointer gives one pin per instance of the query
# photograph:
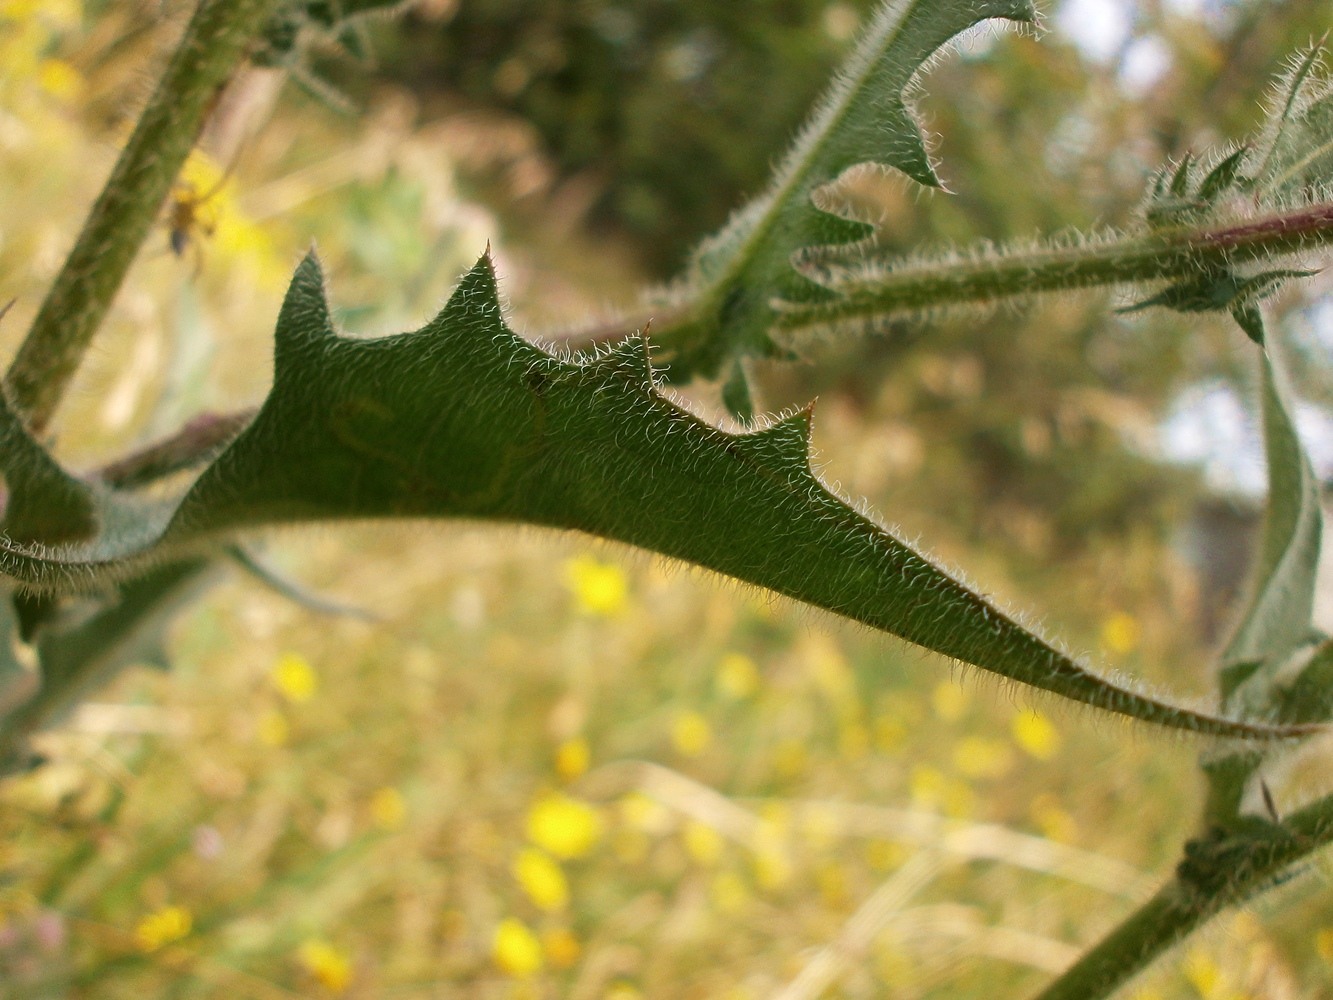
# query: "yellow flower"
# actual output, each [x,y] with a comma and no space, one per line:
[294,678]
[949,699]
[1036,734]
[690,733]
[729,894]
[329,965]
[703,843]
[561,947]
[59,79]
[1120,633]
[1053,821]
[882,855]
[542,879]
[622,991]
[171,923]
[737,677]
[598,588]
[273,729]
[1202,972]
[564,826]
[976,757]
[1323,943]
[571,758]
[643,813]
[388,809]
[516,949]
[772,867]
[890,734]
[831,877]
[790,759]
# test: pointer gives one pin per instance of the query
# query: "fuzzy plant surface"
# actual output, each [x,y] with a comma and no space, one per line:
[465,419]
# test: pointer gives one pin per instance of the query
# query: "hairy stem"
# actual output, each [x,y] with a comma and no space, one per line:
[1177,253]
[1245,869]
[213,45]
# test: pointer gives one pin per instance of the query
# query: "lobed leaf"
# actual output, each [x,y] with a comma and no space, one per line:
[865,117]
[465,419]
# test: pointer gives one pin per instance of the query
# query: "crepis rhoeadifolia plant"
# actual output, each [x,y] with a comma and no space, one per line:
[465,419]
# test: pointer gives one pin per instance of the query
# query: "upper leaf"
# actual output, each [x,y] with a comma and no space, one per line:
[864,118]
[465,419]
[1278,618]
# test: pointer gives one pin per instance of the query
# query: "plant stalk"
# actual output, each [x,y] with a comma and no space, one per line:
[214,43]
[1179,909]
[1157,256]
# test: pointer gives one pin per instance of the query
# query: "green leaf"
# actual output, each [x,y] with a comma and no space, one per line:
[1222,177]
[1218,290]
[1309,696]
[83,652]
[465,419]
[865,117]
[1277,620]
[1299,157]
[18,678]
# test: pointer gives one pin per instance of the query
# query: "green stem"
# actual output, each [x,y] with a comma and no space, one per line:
[214,44]
[1176,253]
[1179,909]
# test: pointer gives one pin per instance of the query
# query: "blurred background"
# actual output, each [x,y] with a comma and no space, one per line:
[553,768]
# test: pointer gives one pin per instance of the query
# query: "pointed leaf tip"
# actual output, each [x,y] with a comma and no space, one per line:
[304,317]
[784,444]
[628,358]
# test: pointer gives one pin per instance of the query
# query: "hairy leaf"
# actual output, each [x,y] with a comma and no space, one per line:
[465,419]
[865,117]
[1277,619]
[1299,156]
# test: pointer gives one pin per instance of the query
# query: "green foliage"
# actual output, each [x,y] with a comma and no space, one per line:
[865,117]
[465,419]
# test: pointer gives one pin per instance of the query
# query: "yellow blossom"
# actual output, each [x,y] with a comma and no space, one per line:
[831,878]
[729,893]
[690,733]
[1323,942]
[1202,972]
[59,79]
[516,949]
[388,809]
[703,843]
[294,678]
[772,867]
[273,729]
[561,947]
[161,927]
[622,991]
[1052,819]
[564,826]
[1120,633]
[598,588]
[882,855]
[329,965]
[976,757]
[643,813]
[737,677]
[790,759]
[571,758]
[890,734]
[542,879]
[949,700]
[1036,734]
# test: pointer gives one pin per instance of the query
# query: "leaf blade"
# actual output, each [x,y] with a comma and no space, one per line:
[465,419]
